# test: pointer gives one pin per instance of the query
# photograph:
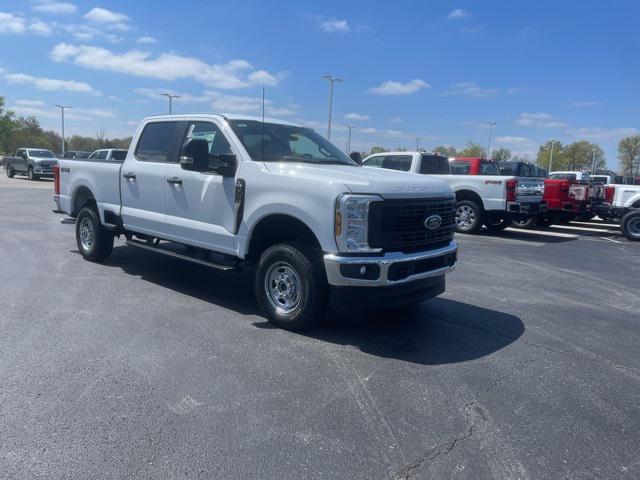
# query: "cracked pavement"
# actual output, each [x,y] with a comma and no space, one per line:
[145,367]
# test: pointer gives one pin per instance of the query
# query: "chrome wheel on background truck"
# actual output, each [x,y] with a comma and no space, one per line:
[468,217]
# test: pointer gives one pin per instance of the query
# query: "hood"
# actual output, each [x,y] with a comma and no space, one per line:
[386,183]
[45,160]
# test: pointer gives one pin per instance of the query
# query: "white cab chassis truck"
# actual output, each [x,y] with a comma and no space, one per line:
[619,203]
[490,200]
[232,192]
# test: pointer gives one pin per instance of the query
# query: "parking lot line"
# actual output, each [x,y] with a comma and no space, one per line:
[583,229]
[545,233]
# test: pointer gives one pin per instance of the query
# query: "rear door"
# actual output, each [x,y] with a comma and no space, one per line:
[200,205]
[143,182]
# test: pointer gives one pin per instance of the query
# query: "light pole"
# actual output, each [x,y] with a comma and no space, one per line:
[551,156]
[491,125]
[593,162]
[170,97]
[350,127]
[331,80]
[62,107]
[418,144]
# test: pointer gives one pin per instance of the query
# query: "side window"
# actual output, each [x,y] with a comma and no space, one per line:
[93,155]
[460,168]
[118,155]
[398,162]
[435,165]
[218,143]
[101,154]
[155,142]
[375,161]
[19,152]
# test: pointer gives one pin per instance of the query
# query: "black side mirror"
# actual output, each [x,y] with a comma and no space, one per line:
[196,155]
[24,155]
[226,164]
[356,157]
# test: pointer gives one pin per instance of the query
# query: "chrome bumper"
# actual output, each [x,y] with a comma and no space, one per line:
[333,264]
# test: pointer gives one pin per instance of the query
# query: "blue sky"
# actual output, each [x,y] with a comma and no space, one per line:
[438,70]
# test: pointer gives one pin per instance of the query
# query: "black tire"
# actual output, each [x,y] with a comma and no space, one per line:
[497,224]
[526,223]
[32,176]
[630,225]
[544,222]
[10,171]
[297,274]
[95,242]
[469,217]
[585,217]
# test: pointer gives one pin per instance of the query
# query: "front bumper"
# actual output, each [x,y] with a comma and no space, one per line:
[393,268]
[529,208]
[43,171]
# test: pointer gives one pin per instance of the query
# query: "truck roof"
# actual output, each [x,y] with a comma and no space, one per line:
[221,116]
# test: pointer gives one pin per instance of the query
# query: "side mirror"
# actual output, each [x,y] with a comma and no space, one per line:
[196,155]
[24,155]
[356,157]
[226,164]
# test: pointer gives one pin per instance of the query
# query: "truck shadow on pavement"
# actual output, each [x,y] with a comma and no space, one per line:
[439,331]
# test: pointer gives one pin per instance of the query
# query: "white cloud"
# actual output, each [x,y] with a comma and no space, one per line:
[55,8]
[473,90]
[510,140]
[584,104]
[335,26]
[50,84]
[391,87]
[539,120]
[102,15]
[146,40]
[396,120]
[29,103]
[167,66]
[10,23]
[458,13]
[356,116]
[40,28]
[598,133]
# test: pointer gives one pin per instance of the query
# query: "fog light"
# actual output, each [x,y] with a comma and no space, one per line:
[360,271]
[363,270]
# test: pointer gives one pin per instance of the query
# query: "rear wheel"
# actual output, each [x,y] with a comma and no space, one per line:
[497,224]
[529,222]
[10,171]
[469,217]
[290,286]
[630,225]
[95,242]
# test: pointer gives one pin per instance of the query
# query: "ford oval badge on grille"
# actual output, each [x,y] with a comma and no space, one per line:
[433,222]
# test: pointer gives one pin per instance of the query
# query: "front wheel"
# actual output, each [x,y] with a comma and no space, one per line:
[290,286]
[95,242]
[469,217]
[32,176]
[630,225]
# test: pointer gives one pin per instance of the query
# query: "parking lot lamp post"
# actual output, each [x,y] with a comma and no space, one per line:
[491,125]
[350,127]
[170,97]
[62,107]
[331,80]
[551,156]
[418,144]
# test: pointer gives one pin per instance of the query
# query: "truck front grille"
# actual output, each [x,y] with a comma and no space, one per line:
[399,225]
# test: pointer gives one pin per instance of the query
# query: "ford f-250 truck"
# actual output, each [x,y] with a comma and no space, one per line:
[233,192]
[482,196]
[619,203]
[33,162]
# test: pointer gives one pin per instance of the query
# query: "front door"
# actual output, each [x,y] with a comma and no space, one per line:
[200,205]
[143,183]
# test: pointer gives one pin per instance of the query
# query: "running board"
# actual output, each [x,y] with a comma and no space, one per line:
[181,256]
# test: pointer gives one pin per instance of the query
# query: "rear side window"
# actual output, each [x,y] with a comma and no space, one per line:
[435,165]
[460,168]
[155,142]
[488,168]
[118,155]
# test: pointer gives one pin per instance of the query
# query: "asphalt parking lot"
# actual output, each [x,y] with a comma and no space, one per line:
[146,367]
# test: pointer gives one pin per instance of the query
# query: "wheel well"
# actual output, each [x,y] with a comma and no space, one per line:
[276,229]
[469,195]
[82,197]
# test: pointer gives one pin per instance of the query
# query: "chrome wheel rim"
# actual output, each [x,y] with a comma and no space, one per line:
[634,227]
[465,217]
[87,233]
[282,286]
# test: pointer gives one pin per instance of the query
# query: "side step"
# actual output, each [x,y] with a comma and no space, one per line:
[181,256]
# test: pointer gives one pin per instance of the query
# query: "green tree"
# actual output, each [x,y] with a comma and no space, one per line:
[472,149]
[544,155]
[501,154]
[629,155]
[377,149]
[579,156]
[446,150]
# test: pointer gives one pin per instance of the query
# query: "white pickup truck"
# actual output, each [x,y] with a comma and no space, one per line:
[483,196]
[234,192]
[619,203]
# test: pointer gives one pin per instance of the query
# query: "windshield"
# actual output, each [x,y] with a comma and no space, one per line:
[118,155]
[273,142]
[41,154]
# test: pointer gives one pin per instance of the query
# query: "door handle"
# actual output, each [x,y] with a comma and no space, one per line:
[174,180]
[129,175]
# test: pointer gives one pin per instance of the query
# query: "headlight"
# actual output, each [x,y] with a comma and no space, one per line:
[352,222]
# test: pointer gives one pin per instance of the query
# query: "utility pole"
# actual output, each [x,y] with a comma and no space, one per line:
[593,162]
[331,80]
[551,156]
[418,144]
[491,125]
[62,107]
[350,127]
[170,97]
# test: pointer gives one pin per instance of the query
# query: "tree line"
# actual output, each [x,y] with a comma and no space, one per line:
[18,131]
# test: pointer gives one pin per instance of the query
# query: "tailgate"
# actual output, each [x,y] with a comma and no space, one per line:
[530,189]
